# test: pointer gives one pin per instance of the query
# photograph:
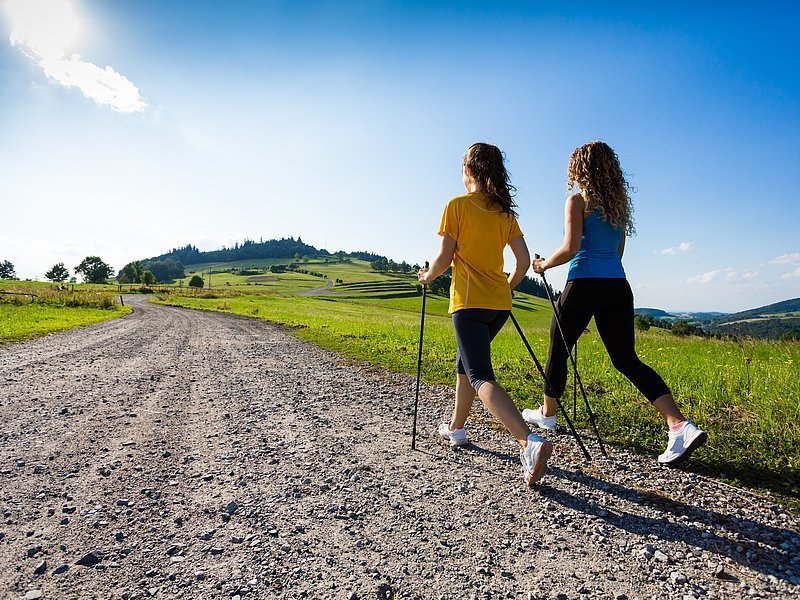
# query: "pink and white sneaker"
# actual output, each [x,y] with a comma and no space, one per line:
[682,443]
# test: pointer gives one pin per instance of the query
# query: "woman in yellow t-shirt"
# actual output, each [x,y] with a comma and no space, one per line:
[475,230]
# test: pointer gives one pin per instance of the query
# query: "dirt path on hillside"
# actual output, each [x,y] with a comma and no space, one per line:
[318,291]
[202,455]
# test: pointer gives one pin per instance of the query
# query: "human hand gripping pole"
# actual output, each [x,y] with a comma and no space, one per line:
[574,364]
[419,365]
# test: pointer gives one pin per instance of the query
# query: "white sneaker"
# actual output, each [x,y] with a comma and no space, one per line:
[457,437]
[682,443]
[534,458]
[537,418]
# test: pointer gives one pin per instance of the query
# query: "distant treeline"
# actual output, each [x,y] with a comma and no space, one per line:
[537,288]
[251,249]
[151,271]
[786,329]
[247,250]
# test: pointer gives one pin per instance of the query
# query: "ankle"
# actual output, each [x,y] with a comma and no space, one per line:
[676,425]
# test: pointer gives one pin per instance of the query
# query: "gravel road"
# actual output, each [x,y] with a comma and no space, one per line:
[183,454]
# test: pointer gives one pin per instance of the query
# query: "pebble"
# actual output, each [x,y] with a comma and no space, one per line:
[678,578]
[232,507]
[90,559]
[40,568]
[33,595]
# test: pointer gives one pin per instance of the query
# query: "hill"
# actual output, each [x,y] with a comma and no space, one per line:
[252,250]
[656,313]
[769,322]
[785,308]
[263,254]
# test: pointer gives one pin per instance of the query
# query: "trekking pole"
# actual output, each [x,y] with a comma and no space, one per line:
[575,384]
[574,365]
[547,383]
[419,366]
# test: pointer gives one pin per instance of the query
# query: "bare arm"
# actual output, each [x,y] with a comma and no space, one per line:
[440,264]
[573,230]
[523,259]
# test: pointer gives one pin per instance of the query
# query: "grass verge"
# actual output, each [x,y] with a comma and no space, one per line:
[26,321]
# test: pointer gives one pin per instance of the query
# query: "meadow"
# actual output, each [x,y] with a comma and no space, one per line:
[746,394]
[30,309]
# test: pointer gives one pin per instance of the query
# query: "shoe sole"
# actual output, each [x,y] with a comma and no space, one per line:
[540,468]
[698,441]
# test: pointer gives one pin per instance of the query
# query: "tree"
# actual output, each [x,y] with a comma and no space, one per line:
[94,270]
[148,278]
[131,273]
[196,282]
[682,328]
[7,270]
[641,323]
[58,273]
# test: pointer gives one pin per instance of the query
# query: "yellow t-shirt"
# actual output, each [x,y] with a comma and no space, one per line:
[481,232]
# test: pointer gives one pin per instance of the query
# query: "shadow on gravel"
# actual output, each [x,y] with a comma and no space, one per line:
[764,559]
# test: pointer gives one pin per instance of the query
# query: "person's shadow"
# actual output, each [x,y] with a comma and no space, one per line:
[765,541]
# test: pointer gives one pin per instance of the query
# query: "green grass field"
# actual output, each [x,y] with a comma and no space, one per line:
[49,309]
[747,397]
[25,321]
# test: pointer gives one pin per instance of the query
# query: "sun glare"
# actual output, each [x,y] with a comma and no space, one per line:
[48,27]
[48,31]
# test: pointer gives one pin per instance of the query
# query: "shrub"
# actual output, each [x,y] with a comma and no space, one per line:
[641,323]
[196,281]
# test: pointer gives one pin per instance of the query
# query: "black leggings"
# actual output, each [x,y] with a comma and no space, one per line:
[610,302]
[475,329]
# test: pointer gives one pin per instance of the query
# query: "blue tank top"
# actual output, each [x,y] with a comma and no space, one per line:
[599,253]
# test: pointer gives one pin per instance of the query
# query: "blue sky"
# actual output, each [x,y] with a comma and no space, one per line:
[346,123]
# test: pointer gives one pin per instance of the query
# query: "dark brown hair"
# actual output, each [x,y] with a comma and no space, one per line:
[595,168]
[486,163]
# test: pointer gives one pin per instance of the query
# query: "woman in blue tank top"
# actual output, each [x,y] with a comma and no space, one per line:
[598,218]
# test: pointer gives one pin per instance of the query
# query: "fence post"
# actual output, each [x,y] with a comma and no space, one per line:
[121,301]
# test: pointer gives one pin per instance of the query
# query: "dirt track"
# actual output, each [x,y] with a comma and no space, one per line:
[133,438]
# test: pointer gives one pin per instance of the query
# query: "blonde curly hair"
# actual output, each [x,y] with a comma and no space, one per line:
[595,169]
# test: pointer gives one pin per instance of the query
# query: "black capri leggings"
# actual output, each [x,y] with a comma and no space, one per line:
[475,329]
[610,302]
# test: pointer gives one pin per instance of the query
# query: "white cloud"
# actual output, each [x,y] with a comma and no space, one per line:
[706,277]
[786,259]
[682,247]
[44,30]
[728,274]
[793,275]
